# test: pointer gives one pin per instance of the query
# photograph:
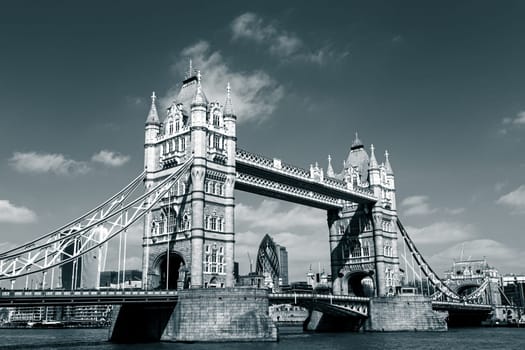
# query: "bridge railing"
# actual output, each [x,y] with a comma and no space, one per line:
[83,293]
[318,297]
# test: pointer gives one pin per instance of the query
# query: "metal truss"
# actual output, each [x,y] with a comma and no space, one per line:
[337,188]
[99,212]
[443,291]
[88,232]
[277,189]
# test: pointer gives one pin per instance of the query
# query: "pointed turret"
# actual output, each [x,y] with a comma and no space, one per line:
[358,158]
[374,176]
[199,99]
[329,169]
[388,167]
[373,160]
[228,108]
[357,142]
[153,117]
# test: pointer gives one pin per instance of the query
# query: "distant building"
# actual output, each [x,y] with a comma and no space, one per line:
[272,263]
[253,279]
[283,265]
[466,276]
[514,288]
[318,280]
[70,315]
[83,272]
[128,279]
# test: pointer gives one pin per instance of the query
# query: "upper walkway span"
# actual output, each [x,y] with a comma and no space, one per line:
[274,178]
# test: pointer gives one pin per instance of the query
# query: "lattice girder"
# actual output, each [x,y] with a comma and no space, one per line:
[87,235]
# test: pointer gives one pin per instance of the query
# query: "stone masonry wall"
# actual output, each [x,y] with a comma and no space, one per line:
[223,314]
[404,313]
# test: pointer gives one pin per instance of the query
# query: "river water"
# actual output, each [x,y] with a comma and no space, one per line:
[290,338]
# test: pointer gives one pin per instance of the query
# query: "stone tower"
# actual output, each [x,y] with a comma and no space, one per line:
[188,238]
[363,238]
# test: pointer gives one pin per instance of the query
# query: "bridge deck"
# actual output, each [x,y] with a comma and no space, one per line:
[271,177]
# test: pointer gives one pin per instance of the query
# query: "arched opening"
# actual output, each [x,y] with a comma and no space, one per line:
[171,271]
[213,283]
[361,284]
[467,289]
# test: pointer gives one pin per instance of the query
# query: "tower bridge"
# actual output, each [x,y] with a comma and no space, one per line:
[192,167]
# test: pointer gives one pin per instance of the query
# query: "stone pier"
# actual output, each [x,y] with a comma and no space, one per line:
[222,314]
[404,313]
[210,315]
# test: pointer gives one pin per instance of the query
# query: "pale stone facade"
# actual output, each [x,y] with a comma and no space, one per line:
[196,219]
[363,238]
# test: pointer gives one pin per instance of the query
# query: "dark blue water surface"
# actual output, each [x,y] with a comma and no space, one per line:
[290,338]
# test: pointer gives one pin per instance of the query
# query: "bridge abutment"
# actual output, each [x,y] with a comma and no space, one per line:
[221,314]
[199,315]
[404,313]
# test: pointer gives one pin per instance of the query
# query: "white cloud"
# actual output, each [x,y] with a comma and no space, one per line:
[10,213]
[514,200]
[39,163]
[270,215]
[250,26]
[440,233]
[110,158]
[255,94]
[280,43]
[417,205]
[302,230]
[397,39]
[454,211]
[505,259]
[518,120]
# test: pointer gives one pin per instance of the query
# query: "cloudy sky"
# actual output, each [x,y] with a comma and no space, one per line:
[439,84]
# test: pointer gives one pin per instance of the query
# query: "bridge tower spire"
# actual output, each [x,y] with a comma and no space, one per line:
[230,145]
[151,133]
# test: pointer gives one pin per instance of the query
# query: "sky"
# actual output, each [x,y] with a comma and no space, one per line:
[440,84]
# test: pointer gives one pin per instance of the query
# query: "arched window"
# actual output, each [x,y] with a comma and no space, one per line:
[186,223]
[389,277]
[177,125]
[366,249]
[216,120]
[170,127]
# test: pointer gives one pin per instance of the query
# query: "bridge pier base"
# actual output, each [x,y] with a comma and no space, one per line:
[318,321]
[222,314]
[404,313]
[140,323]
[210,315]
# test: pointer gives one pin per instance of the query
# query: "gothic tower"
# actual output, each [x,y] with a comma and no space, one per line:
[363,238]
[188,237]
